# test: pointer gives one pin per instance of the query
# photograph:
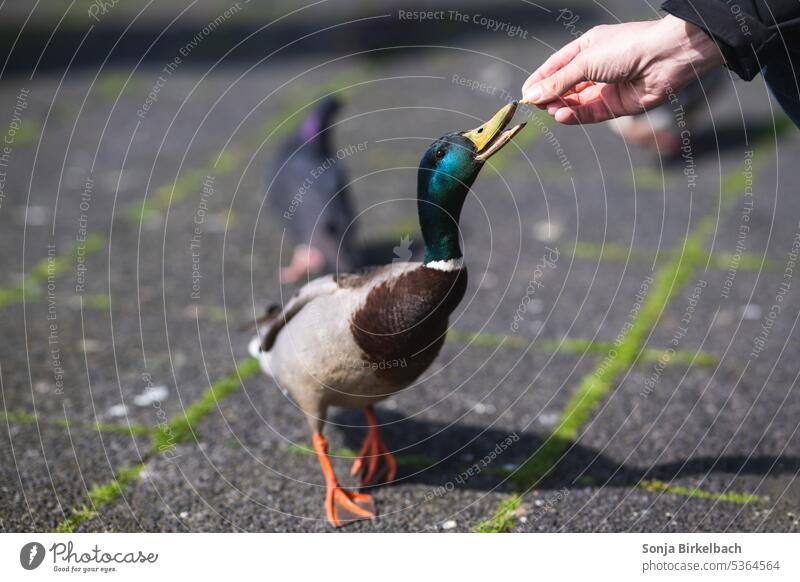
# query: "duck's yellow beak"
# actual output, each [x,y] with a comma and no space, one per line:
[490,138]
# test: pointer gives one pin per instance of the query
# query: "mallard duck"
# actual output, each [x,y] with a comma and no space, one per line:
[352,340]
[307,189]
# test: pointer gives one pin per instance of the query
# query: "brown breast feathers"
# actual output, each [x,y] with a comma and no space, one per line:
[402,325]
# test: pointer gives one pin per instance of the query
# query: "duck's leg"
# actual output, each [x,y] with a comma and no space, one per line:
[341,505]
[372,452]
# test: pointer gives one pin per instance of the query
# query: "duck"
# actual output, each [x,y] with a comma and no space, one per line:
[351,340]
[308,190]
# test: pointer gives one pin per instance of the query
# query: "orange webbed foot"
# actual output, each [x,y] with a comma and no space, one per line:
[373,455]
[341,506]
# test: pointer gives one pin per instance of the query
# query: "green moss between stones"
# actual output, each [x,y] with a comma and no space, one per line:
[503,517]
[99,301]
[487,339]
[100,495]
[620,253]
[347,453]
[36,278]
[16,294]
[579,346]
[168,194]
[29,131]
[112,85]
[182,427]
[18,417]
[728,496]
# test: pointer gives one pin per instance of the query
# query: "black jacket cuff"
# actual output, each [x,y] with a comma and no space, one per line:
[741,37]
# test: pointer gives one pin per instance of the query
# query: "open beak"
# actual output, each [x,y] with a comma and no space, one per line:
[490,137]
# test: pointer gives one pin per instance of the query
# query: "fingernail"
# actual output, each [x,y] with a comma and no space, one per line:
[533,94]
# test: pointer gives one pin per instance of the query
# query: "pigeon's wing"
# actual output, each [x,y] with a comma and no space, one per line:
[316,288]
[304,182]
[298,188]
[341,206]
[279,185]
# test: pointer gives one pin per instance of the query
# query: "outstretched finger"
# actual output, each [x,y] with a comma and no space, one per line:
[556,61]
[560,82]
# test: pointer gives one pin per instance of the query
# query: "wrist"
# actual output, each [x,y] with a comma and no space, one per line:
[687,44]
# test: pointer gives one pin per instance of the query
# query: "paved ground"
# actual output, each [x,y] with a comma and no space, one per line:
[131,405]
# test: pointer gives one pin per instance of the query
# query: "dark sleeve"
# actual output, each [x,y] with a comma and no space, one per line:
[750,33]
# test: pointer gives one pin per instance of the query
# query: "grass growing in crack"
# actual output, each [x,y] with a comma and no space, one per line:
[503,517]
[28,132]
[620,253]
[113,85]
[136,429]
[415,460]
[487,339]
[344,452]
[98,301]
[650,179]
[348,453]
[25,418]
[580,346]
[218,164]
[100,495]
[171,193]
[182,427]
[16,294]
[729,496]
[30,288]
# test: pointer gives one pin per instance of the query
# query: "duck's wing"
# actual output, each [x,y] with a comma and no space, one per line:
[360,281]
[310,291]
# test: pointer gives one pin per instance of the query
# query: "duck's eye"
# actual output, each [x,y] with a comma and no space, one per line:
[439,154]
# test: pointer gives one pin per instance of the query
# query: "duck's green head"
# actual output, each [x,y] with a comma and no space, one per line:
[446,174]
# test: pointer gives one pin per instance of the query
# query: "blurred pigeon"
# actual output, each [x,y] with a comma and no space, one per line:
[309,193]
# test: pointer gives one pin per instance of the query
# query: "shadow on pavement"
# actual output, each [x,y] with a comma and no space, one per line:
[440,452]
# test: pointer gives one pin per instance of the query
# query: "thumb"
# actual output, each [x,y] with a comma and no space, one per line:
[561,81]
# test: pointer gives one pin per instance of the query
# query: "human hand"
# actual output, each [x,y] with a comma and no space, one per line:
[621,69]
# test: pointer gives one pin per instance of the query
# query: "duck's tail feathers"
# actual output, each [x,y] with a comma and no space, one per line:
[254,347]
[264,358]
